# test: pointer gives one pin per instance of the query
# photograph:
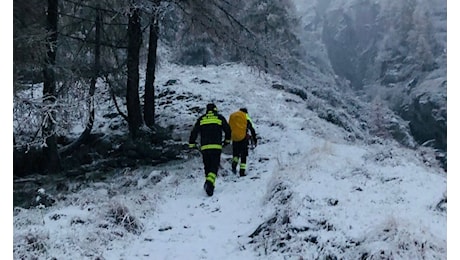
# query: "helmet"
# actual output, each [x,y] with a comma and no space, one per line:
[211,107]
[243,109]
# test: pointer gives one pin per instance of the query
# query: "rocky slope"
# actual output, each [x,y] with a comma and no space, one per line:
[390,52]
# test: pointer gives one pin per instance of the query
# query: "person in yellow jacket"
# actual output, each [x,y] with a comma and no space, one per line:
[210,127]
[242,132]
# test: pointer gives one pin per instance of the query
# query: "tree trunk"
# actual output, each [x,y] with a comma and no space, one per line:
[149,97]
[132,95]
[50,151]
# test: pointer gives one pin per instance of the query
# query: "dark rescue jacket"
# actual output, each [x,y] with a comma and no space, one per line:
[210,127]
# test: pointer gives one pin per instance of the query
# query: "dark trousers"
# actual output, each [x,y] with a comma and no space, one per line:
[211,160]
[240,150]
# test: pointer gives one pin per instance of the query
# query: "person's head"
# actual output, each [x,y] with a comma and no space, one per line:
[211,107]
[245,110]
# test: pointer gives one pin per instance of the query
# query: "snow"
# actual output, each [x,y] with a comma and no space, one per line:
[325,195]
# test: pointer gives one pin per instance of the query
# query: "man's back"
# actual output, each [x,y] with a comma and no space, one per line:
[210,127]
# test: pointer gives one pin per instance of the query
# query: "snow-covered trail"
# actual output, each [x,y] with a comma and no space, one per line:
[188,223]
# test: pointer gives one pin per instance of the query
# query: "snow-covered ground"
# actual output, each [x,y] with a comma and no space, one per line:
[309,193]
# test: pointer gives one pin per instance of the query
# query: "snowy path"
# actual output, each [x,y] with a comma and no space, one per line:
[189,223]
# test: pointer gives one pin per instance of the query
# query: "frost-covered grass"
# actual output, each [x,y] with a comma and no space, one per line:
[310,193]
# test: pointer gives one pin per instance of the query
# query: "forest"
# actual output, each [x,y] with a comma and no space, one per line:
[70,46]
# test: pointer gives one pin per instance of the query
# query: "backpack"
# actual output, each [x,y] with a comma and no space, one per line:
[238,124]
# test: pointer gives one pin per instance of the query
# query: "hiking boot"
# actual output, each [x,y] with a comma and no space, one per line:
[242,173]
[209,188]
[234,167]
[209,184]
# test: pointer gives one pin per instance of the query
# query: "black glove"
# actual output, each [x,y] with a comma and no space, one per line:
[225,143]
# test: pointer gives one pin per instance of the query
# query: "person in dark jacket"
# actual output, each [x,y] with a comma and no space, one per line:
[240,148]
[210,127]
